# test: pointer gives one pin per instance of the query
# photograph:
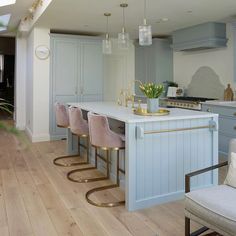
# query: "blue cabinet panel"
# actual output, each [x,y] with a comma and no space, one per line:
[76,73]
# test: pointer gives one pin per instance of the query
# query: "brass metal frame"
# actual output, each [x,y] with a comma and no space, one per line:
[90,192]
[187,190]
[180,129]
[87,180]
[55,161]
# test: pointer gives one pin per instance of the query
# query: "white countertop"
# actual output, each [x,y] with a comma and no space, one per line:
[125,114]
[221,103]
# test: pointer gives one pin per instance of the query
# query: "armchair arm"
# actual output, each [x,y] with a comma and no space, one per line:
[198,172]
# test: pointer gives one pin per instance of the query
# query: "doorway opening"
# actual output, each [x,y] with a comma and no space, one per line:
[7,74]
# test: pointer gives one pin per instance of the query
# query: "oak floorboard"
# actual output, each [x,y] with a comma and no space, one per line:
[36,199]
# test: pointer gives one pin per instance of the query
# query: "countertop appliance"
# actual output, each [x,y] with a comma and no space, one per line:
[175,92]
[193,103]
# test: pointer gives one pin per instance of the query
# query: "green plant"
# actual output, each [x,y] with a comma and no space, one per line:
[152,90]
[5,106]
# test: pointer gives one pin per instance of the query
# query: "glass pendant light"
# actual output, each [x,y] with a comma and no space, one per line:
[106,43]
[145,31]
[123,37]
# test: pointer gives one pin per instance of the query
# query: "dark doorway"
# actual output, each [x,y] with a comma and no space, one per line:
[7,74]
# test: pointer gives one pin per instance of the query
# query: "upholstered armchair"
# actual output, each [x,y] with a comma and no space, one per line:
[214,207]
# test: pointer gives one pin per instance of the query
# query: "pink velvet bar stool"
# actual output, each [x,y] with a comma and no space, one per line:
[79,127]
[62,119]
[103,138]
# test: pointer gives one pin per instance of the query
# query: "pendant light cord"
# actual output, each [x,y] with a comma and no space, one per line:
[124,18]
[145,12]
[107,24]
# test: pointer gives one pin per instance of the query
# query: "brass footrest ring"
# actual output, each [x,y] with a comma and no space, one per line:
[81,180]
[55,161]
[108,204]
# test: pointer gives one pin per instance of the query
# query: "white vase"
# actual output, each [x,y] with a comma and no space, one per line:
[152,105]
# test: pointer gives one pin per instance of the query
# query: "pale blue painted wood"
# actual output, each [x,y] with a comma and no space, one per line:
[202,36]
[153,63]
[227,124]
[131,171]
[76,73]
[192,148]
[92,68]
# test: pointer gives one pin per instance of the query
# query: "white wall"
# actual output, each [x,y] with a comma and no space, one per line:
[20,82]
[220,60]
[41,88]
[29,84]
[37,87]
[118,71]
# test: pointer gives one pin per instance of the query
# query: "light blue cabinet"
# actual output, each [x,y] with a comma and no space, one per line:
[227,125]
[76,73]
[154,63]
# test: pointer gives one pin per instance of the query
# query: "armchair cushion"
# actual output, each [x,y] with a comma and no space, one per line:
[215,205]
[231,176]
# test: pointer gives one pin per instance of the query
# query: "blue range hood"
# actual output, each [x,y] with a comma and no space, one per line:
[199,37]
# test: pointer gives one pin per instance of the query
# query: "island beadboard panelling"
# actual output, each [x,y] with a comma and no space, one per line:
[162,160]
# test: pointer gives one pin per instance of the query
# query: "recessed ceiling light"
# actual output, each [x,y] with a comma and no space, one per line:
[4,21]
[164,19]
[7,2]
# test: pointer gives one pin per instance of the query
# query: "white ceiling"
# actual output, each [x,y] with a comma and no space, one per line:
[87,15]
[17,11]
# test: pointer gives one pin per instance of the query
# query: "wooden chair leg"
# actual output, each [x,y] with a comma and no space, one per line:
[187,226]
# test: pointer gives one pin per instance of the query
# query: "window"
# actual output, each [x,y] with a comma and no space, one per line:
[4,20]
[7,2]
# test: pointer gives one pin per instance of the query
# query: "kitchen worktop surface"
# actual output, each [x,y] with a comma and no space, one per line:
[221,103]
[125,114]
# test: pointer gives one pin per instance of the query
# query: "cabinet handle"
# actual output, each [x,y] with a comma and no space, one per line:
[235,114]
[208,110]
[234,127]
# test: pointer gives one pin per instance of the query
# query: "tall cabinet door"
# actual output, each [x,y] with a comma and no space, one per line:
[91,71]
[64,75]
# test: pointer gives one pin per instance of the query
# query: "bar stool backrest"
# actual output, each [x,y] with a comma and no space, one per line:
[62,117]
[100,133]
[78,125]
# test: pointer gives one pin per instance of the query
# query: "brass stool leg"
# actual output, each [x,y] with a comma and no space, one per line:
[87,180]
[108,204]
[55,161]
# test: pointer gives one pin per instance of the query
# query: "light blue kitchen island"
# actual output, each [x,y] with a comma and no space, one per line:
[159,151]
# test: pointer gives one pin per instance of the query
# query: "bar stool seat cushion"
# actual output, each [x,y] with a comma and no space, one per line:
[101,135]
[215,205]
[78,125]
[62,117]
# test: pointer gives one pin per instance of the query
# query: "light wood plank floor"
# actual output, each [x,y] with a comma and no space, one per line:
[36,199]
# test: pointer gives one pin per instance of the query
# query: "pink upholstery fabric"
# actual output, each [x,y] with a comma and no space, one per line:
[78,125]
[62,117]
[100,133]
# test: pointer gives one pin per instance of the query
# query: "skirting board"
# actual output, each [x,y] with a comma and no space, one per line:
[37,138]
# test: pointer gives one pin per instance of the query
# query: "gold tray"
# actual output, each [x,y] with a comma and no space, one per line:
[143,112]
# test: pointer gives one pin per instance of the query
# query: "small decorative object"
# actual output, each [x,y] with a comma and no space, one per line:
[144,112]
[228,94]
[42,52]
[152,92]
